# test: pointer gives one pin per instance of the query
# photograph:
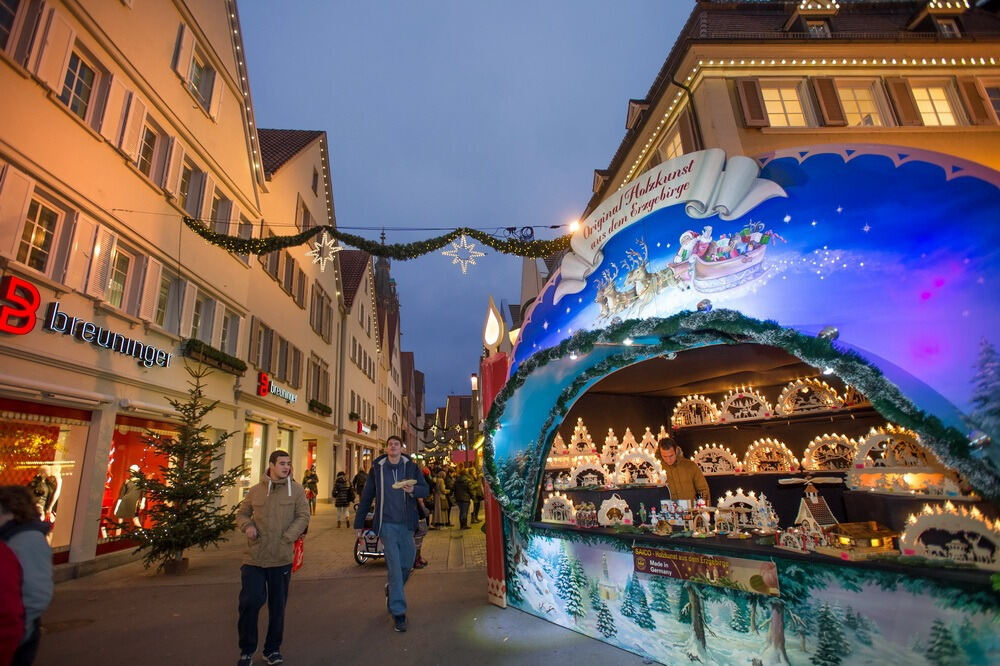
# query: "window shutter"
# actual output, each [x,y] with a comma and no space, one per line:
[241,337]
[825,90]
[975,101]
[218,314]
[134,121]
[172,178]
[216,100]
[100,265]
[300,288]
[273,361]
[15,196]
[184,52]
[686,130]
[150,289]
[114,111]
[752,103]
[252,343]
[187,309]
[902,100]
[234,218]
[207,192]
[81,251]
[52,51]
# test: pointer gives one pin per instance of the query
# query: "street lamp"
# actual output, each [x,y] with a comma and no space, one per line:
[468,440]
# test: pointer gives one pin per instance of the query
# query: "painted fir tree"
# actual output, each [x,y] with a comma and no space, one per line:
[642,616]
[986,392]
[683,606]
[605,621]
[628,604]
[515,590]
[184,498]
[564,574]
[661,594]
[830,641]
[941,647]
[595,595]
[863,630]
[740,621]
[574,599]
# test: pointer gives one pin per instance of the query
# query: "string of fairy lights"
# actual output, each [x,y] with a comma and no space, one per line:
[462,251]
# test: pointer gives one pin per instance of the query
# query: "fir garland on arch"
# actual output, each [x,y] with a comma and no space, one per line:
[517,479]
[533,249]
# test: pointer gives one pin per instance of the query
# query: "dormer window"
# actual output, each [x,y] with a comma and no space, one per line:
[818,28]
[947,27]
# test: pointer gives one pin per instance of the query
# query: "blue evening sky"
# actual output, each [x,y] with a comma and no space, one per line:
[449,114]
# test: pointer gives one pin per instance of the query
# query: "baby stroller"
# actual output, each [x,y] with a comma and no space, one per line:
[368,546]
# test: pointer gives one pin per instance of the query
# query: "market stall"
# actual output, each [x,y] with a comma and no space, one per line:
[824,352]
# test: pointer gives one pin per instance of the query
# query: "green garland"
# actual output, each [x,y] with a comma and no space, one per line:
[517,479]
[533,249]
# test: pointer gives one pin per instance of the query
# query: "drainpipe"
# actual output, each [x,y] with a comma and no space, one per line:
[695,124]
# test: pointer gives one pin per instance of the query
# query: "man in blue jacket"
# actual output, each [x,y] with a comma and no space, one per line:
[394,483]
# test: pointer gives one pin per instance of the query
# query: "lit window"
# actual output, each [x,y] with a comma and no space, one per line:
[121,262]
[672,147]
[859,105]
[934,106]
[78,86]
[8,10]
[37,237]
[783,104]
[876,543]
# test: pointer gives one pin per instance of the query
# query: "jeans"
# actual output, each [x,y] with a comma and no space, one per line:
[475,509]
[397,539]
[26,651]
[262,584]
[463,513]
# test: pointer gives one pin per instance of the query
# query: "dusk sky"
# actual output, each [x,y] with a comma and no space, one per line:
[449,114]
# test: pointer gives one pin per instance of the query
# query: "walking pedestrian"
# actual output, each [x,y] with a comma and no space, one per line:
[273,515]
[359,481]
[394,484]
[476,482]
[310,481]
[440,500]
[24,533]
[463,497]
[424,516]
[343,495]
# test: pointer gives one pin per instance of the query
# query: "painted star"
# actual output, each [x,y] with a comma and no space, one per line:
[463,253]
[323,251]
[814,223]
[545,325]
[840,209]
[866,228]
[786,219]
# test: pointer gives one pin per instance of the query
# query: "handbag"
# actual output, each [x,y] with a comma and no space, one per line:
[298,555]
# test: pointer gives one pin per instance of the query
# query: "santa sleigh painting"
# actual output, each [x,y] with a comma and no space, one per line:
[716,265]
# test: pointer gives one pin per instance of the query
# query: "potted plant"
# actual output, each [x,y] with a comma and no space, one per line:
[353,416]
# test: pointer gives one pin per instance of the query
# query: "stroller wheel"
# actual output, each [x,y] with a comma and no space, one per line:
[358,549]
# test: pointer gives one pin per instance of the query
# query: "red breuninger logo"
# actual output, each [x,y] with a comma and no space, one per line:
[263,384]
[20,317]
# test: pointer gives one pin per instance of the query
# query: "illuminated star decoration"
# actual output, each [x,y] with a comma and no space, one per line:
[866,228]
[463,253]
[323,251]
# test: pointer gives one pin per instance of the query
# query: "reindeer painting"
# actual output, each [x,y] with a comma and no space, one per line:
[611,300]
[646,284]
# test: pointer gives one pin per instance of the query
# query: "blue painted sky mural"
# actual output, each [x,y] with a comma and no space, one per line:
[896,248]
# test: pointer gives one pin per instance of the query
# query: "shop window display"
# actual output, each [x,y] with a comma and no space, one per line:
[42,447]
[254,439]
[130,454]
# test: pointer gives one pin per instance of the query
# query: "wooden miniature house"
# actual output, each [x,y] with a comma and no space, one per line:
[814,513]
[859,541]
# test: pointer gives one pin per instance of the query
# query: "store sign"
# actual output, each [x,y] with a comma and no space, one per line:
[362,428]
[717,570]
[19,312]
[266,387]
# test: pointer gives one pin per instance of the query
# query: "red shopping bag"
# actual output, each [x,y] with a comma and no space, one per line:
[298,556]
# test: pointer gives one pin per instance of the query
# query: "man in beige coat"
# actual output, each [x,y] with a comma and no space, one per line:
[272,516]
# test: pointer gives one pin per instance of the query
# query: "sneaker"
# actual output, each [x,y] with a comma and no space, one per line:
[274,658]
[400,625]
[387,596]
[245,660]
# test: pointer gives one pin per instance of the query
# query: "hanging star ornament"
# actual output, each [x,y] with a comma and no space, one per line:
[463,253]
[323,251]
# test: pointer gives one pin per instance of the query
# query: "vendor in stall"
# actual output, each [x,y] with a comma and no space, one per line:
[683,476]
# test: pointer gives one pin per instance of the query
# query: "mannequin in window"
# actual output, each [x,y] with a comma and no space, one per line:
[130,499]
[45,487]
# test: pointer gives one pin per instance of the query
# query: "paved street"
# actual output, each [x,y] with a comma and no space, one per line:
[336,612]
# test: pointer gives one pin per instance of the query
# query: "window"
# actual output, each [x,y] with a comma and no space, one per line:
[321,313]
[934,104]
[168,302]
[202,319]
[672,146]
[118,281]
[37,239]
[948,28]
[147,149]
[8,10]
[783,103]
[993,96]
[230,332]
[306,220]
[319,381]
[818,29]
[185,190]
[78,86]
[220,212]
[288,277]
[260,346]
[315,182]
[281,372]
[201,79]
[859,103]
[244,230]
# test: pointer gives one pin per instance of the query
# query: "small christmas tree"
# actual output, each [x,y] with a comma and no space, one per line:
[862,630]
[830,642]
[514,588]
[605,622]
[564,575]
[661,595]
[642,616]
[628,603]
[741,618]
[683,607]
[941,647]
[574,600]
[595,595]
[986,392]
[184,505]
